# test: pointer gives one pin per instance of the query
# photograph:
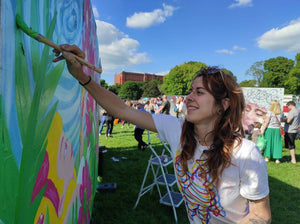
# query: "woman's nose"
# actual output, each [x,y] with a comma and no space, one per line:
[189,97]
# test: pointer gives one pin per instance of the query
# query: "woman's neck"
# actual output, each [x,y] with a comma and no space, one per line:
[204,136]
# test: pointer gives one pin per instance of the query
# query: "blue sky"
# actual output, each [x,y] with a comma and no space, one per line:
[153,36]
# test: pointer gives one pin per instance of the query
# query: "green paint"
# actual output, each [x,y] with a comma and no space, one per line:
[34,120]
[10,173]
[34,117]
[34,25]
[47,216]
[93,165]
[23,26]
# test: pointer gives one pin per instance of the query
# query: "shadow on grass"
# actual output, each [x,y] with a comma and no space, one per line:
[287,159]
[285,202]
[117,207]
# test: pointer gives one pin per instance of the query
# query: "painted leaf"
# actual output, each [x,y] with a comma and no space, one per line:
[8,180]
[22,85]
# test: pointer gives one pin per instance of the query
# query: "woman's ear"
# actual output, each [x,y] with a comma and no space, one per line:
[225,103]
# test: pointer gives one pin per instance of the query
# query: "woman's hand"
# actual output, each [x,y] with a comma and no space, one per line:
[74,67]
[105,98]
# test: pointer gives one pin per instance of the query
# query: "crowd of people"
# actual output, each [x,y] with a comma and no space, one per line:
[155,105]
[269,126]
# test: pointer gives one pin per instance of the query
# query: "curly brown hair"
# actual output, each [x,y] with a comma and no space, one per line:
[227,128]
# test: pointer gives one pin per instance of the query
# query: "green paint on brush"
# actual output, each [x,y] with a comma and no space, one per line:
[23,26]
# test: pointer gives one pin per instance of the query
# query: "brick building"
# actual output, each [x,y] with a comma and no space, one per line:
[122,77]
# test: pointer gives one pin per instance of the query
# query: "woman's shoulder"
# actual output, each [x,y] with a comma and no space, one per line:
[247,144]
[167,120]
[169,129]
[167,123]
[245,148]
[271,114]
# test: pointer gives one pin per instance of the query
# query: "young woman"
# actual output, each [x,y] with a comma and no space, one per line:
[222,176]
[271,131]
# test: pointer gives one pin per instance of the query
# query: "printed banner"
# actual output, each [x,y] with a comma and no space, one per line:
[258,101]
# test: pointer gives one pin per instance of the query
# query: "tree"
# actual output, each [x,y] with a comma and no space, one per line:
[103,83]
[141,85]
[256,70]
[229,73]
[151,89]
[115,88]
[179,79]
[276,71]
[248,83]
[131,90]
[297,57]
[292,83]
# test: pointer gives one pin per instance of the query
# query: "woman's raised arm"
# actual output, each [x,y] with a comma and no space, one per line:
[106,99]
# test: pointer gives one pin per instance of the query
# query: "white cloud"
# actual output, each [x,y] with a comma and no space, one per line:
[116,49]
[163,73]
[233,51]
[95,12]
[147,19]
[286,38]
[225,51]
[241,3]
[237,48]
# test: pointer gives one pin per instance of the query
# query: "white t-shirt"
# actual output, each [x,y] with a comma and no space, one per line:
[247,179]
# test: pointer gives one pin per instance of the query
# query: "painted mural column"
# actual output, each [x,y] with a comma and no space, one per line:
[49,123]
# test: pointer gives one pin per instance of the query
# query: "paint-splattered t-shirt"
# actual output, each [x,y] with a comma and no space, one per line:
[246,179]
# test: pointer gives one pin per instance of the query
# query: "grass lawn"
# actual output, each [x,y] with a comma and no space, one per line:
[117,207]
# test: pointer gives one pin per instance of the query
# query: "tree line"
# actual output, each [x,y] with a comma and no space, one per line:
[279,72]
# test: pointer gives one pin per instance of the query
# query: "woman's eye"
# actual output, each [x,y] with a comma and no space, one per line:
[247,109]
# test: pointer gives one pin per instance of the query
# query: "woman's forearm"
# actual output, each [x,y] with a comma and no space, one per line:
[116,106]
[259,212]
[106,99]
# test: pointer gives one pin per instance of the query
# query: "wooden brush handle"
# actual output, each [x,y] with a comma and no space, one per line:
[57,47]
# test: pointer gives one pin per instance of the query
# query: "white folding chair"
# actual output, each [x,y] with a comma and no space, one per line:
[158,165]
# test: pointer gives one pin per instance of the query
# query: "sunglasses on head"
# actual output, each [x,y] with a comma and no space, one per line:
[216,71]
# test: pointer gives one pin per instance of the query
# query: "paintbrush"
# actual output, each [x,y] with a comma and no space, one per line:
[40,38]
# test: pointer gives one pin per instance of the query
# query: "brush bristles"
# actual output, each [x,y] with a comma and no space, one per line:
[23,26]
